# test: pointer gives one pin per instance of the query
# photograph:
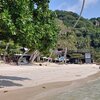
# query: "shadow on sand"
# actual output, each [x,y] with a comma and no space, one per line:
[7,81]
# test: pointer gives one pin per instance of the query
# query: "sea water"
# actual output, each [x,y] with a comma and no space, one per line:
[90,91]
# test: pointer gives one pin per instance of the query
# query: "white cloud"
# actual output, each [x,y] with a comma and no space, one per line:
[77,6]
[89,2]
[62,6]
[74,8]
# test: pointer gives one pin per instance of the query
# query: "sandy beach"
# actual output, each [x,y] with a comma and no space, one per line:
[28,82]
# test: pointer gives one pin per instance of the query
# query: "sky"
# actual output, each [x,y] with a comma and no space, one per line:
[91,9]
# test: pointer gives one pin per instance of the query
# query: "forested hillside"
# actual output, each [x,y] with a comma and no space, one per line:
[85,36]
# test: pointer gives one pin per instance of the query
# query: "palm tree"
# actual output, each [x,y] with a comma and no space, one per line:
[80,13]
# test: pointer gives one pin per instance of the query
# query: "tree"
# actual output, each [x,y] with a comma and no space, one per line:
[29,23]
[44,25]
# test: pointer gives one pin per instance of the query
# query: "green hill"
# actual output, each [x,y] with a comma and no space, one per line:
[85,29]
[86,35]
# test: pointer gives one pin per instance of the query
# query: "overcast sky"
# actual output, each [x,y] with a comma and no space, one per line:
[92,7]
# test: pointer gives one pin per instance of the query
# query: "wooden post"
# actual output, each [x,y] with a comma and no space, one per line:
[65,58]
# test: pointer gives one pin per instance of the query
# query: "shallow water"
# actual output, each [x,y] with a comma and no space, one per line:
[90,91]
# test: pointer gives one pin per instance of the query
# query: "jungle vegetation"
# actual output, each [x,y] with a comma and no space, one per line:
[31,24]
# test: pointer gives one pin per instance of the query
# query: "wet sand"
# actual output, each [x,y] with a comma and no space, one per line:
[42,92]
[71,92]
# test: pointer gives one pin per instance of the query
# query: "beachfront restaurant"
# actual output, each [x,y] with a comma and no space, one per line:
[76,57]
[80,57]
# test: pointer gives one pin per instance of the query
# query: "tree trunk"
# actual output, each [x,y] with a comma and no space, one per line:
[50,55]
[5,53]
[33,56]
[19,60]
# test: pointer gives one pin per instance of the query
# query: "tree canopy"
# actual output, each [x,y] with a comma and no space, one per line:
[29,23]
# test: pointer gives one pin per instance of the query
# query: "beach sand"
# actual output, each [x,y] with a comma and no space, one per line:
[33,82]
